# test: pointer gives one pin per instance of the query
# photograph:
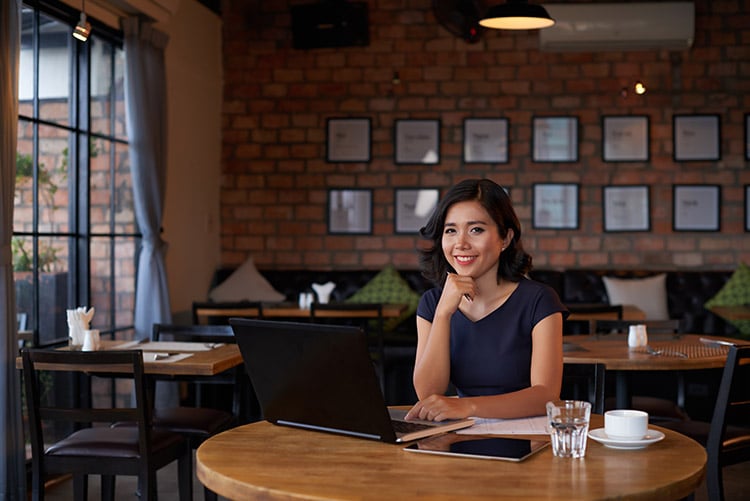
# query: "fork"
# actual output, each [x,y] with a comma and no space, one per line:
[652,351]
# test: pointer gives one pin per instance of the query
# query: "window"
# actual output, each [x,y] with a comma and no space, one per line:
[75,238]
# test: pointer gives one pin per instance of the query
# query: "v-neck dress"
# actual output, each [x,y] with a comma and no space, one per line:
[493,355]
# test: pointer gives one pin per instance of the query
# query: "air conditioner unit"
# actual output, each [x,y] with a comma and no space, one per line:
[619,26]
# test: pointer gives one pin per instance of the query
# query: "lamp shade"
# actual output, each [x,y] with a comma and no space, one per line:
[82,29]
[517,15]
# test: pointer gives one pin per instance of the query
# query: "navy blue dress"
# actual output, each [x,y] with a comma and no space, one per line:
[492,356]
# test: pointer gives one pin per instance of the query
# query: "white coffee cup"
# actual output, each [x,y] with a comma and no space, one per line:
[626,424]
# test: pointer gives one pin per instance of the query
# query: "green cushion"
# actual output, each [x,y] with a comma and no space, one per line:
[388,286]
[736,292]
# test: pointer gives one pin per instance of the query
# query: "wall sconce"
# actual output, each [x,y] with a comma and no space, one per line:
[517,15]
[83,28]
[639,88]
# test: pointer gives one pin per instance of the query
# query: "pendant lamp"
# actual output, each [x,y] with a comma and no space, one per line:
[83,28]
[517,15]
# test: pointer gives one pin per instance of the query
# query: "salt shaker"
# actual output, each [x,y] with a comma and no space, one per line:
[633,338]
[642,335]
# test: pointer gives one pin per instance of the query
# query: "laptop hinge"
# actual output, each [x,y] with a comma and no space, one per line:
[330,430]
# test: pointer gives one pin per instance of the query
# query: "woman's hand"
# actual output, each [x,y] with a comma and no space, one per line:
[440,408]
[456,289]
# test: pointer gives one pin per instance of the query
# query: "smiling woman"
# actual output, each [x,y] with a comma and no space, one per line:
[493,334]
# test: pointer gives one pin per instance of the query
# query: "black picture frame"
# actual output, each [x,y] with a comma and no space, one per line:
[348,139]
[349,211]
[485,140]
[696,207]
[696,138]
[625,138]
[417,141]
[555,206]
[412,208]
[554,139]
[626,208]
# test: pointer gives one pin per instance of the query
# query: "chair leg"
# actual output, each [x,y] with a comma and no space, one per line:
[108,487]
[185,475]
[147,486]
[80,487]
[714,482]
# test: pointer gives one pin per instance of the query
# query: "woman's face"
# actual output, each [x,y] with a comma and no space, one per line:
[471,241]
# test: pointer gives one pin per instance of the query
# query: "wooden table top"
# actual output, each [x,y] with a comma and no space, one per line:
[201,362]
[290,310]
[612,350]
[266,461]
[629,312]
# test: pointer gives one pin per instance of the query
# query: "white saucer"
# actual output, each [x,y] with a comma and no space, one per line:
[615,443]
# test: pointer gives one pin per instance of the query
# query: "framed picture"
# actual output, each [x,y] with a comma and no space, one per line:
[485,140]
[625,139]
[696,137]
[626,208]
[747,136]
[747,207]
[555,206]
[696,207]
[413,208]
[417,142]
[350,211]
[555,139]
[348,140]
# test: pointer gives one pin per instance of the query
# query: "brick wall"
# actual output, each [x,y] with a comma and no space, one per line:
[277,99]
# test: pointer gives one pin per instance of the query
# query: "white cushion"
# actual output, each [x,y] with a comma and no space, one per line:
[245,284]
[648,294]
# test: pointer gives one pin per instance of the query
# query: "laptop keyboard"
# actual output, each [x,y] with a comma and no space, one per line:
[408,426]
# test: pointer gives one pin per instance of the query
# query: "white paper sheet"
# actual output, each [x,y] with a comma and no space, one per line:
[166,358]
[536,425]
[183,346]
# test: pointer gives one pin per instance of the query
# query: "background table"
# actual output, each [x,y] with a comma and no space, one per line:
[613,351]
[262,460]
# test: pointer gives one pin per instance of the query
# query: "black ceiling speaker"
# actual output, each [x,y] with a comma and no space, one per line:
[330,23]
[460,17]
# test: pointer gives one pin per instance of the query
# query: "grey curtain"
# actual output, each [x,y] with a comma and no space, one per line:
[145,101]
[13,468]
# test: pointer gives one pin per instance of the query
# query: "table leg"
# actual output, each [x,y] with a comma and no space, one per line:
[622,394]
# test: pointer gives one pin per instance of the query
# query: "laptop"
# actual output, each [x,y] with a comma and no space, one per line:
[320,377]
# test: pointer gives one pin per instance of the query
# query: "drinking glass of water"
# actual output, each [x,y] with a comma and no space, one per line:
[568,427]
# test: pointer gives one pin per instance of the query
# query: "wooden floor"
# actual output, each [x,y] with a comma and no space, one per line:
[736,482]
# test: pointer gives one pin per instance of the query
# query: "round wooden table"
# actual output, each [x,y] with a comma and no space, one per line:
[262,460]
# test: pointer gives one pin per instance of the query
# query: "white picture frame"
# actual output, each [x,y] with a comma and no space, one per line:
[417,141]
[413,207]
[555,206]
[625,138]
[348,140]
[626,208]
[350,211]
[485,140]
[696,137]
[696,207]
[555,139]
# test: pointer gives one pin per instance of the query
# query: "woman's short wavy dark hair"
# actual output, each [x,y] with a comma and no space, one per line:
[514,263]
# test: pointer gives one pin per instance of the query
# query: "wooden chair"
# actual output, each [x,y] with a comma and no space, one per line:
[581,316]
[197,424]
[726,443]
[137,450]
[584,382]
[218,313]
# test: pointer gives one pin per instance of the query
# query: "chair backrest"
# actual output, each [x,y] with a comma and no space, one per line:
[194,333]
[582,315]
[732,407]
[219,313]
[584,382]
[605,326]
[41,408]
